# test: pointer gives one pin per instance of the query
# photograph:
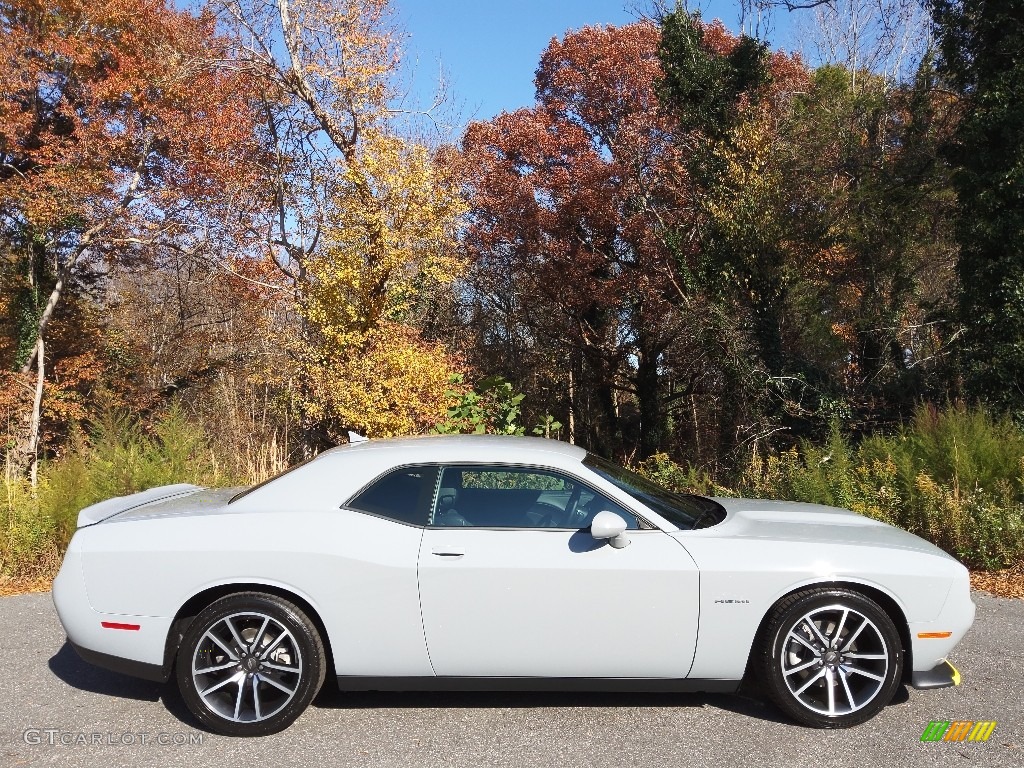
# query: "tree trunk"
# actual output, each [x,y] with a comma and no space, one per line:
[37,358]
[46,316]
[572,405]
[63,278]
[607,431]
[648,397]
[37,407]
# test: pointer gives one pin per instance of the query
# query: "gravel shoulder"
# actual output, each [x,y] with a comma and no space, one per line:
[48,688]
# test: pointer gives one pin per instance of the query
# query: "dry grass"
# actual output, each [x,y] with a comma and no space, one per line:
[36,578]
[9,586]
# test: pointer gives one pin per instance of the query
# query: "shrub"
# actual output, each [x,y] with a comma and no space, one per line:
[29,541]
[953,476]
[116,458]
[663,470]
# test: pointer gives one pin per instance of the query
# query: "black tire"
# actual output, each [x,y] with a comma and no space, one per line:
[264,660]
[830,658]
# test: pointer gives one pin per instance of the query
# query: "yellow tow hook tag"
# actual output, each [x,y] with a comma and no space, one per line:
[956,673]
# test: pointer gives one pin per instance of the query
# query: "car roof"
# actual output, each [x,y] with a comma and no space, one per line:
[339,472]
[438,448]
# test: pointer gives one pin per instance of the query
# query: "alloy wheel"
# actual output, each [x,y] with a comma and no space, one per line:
[834,660]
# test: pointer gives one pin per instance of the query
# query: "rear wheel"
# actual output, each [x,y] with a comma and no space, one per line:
[832,658]
[250,664]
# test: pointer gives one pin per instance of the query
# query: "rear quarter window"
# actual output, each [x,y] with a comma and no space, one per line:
[402,495]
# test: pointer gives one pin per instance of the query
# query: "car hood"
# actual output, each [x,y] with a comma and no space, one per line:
[165,501]
[812,523]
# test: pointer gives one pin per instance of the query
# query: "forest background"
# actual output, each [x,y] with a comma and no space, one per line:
[227,240]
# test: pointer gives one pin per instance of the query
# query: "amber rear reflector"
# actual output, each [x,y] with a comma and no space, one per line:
[118,625]
[933,635]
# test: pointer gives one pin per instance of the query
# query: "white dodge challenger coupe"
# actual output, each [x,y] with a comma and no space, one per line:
[497,563]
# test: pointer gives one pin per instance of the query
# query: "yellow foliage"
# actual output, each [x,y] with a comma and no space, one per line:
[748,192]
[393,383]
[874,491]
[391,236]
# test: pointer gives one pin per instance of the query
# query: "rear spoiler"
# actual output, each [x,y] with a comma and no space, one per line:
[97,513]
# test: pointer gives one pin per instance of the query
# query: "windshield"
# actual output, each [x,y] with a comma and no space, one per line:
[682,510]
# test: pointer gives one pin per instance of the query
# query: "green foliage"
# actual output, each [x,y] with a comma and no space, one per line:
[980,44]
[29,539]
[548,427]
[23,282]
[116,458]
[26,322]
[533,481]
[702,86]
[954,477]
[820,220]
[961,446]
[679,478]
[832,474]
[492,407]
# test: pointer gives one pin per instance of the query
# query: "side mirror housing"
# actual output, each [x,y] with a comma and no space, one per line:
[610,526]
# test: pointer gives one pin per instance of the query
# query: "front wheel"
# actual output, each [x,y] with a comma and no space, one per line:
[250,664]
[832,658]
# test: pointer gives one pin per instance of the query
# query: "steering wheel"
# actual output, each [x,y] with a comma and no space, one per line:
[548,520]
[571,506]
[567,514]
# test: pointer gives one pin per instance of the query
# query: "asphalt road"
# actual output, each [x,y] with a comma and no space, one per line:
[46,687]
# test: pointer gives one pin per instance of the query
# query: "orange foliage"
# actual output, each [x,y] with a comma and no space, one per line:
[121,131]
[98,90]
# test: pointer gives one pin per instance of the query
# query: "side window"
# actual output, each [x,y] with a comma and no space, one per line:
[402,495]
[513,497]
[591,503]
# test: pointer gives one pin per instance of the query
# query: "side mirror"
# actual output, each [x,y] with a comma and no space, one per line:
[608,525]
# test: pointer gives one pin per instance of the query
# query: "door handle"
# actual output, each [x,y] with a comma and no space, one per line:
[446,553]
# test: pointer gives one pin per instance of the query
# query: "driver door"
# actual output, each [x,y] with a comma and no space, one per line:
[512,584]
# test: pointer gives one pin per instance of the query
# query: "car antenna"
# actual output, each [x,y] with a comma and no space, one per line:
[355,437]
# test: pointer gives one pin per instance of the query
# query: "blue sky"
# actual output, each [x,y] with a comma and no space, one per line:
[490,48]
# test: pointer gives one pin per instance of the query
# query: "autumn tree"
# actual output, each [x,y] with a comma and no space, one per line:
[586,201]
[821,203]
[870,164]
[561,198]
[981,43]
[724,94]
[362,221]
[119,129]
[389,241]
[193,333]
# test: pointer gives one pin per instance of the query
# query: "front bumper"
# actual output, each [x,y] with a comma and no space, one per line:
[933,641]
[942,676]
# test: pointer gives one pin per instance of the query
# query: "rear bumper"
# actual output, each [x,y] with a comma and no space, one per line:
[132,645]
[942,676]
[155,672]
